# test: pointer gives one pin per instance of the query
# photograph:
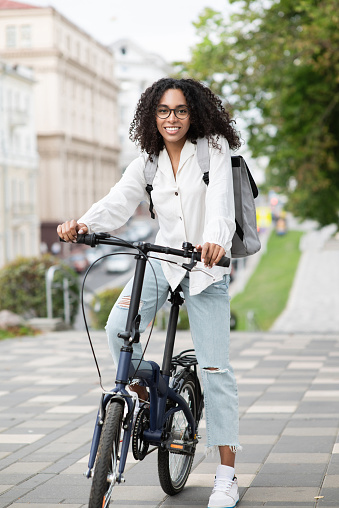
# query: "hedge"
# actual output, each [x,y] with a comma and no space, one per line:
[23,287]
[104,301]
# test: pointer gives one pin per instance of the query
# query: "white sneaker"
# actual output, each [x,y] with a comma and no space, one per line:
[225,493]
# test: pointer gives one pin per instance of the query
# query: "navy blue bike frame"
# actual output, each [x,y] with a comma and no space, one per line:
[156,380]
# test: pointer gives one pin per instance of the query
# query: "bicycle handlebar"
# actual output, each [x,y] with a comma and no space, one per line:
[186,252]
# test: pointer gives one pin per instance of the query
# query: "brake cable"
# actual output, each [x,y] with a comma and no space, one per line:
[84,312]
[156,306]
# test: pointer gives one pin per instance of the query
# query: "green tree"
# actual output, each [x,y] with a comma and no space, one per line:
[277,63]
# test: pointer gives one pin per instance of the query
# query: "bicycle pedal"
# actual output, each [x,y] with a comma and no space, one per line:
[183,448]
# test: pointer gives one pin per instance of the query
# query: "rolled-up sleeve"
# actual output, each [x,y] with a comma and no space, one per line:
[220,214]
[113,211]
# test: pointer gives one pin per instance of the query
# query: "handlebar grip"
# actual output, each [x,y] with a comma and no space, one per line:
[224,261]
[86,239]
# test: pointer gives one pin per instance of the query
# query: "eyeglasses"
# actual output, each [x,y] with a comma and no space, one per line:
[181,112]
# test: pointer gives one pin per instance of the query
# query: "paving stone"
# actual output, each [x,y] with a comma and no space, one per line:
[287,480]
[282,494]
[330,495]
[288,468]
[298,458]
[300,444]
[287,448]
[46,505]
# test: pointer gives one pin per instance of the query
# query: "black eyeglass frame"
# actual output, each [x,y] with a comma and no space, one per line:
[170,111]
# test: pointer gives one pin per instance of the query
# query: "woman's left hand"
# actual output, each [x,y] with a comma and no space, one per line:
[211,253]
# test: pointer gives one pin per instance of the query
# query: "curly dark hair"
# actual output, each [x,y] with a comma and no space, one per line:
[208,117]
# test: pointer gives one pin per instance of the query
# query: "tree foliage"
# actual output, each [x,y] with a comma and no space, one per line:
[277,62]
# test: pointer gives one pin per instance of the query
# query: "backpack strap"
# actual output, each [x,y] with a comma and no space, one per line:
[204,163]
[203,158]
[149,172]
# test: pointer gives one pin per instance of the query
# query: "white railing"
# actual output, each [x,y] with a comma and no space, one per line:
[50,284]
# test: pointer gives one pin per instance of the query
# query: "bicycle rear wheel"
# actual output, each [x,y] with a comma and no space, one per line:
[107,461]
[174,468]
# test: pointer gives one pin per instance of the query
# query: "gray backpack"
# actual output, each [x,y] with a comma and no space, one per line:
[245,241]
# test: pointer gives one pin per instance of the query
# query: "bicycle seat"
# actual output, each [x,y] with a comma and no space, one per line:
[149,371]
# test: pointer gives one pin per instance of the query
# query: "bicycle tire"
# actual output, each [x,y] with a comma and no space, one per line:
[106,465]
[174,468]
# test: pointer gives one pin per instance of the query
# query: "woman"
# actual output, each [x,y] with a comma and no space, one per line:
[170,116]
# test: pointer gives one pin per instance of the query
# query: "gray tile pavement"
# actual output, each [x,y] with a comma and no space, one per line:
[289,407]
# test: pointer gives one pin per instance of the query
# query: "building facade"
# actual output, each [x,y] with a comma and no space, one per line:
[76,109]
[136,70]
[19,220]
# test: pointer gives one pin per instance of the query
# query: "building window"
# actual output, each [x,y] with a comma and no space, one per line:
[11,36]
[28,144]
[27,103]
[78,50]
[26,36]
[9,99]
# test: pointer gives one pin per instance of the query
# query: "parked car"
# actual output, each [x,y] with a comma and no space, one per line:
[118,263]
[95,253]
[78,262]
[140,230]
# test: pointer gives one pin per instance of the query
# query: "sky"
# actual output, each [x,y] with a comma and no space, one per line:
[161,27]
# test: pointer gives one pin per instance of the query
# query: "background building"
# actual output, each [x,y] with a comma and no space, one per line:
[19,221]
[76,109]
[136,69]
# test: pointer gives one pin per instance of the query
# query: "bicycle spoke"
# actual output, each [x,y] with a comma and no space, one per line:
[174,468]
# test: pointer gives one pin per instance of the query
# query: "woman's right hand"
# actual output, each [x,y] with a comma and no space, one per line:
[68,231]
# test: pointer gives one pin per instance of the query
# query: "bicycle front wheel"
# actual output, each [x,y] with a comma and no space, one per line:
[174,468]
[107,461]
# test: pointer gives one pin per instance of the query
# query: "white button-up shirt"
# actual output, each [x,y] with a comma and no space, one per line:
[188,210]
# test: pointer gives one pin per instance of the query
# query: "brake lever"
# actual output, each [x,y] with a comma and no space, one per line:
[191,267]
[203,271]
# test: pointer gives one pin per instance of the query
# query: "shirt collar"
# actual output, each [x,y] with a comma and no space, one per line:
[164,162]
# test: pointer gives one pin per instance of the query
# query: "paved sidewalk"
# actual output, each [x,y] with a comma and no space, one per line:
[313,304]
[289,407]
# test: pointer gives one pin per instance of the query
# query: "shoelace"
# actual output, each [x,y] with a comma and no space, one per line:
[222,485]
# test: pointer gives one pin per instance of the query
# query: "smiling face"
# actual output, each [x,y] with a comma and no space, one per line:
[173,130]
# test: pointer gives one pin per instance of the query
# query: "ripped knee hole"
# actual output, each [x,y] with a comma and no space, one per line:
[215,370]
[125,301]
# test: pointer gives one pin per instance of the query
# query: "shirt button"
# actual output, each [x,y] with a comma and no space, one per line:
[176,193]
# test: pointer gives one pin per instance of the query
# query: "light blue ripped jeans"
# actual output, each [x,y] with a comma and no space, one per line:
[209,317]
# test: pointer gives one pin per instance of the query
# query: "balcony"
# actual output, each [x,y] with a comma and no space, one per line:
[22,209]
[17,117]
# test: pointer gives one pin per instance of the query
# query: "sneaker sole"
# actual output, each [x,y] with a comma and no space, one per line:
[233,506]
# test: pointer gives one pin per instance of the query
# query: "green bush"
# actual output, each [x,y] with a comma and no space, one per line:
[17,331]
[23,287]
[106,299]
[183,323]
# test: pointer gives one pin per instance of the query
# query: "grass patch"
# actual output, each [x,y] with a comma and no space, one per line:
[267,291]
[17,331]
